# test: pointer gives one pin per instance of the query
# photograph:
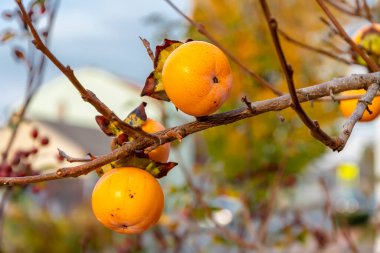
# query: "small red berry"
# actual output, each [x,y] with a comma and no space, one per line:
[16,160]
[3,173]
[36,189]
[34,133]
[60,158]
[20,174]
[7,168]
[44,141]
[34,151]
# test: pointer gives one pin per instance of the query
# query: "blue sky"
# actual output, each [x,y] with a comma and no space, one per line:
[93,33]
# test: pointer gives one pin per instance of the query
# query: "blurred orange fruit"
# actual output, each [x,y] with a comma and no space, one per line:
[127,200]
[368,38]
[347,107]
[161,153]
[197,78]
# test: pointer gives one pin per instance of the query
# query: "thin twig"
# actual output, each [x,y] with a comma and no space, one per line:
[202,30]
[274,104]
[343,9]
[368,12]
[358,112]
[314,49]
[198,194]
[86,95]
[263,228]
[71,159]
[34,82]
[351,244]
[315,130]
[148,49]
[7,193]
[370,63]
[328,208]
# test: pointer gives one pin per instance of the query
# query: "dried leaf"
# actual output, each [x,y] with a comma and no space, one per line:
[138,116]
[147,47]
[153,85]
[107,127]
[157,169]
[19,54]
[7,36]
[104,169]
[7,14]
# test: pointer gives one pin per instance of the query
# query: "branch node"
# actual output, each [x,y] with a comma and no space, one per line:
[175,134]
[289,68]
[366,103]
[249,105]
[332,95]
[59,173]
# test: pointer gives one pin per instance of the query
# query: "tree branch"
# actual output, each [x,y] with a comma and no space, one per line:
[87,95]
[315,130]
[203,123]
[314,49]
[370,63]
[35,74]
[357,114]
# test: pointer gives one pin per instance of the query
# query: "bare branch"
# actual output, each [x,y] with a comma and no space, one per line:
[87,95]
[35,74]
[343,9]
[70,159]
[368,12]
[370,63]
[263,228]
[314,49]
[315,130]
[148,49]
[351,244]
[171,134]
[359,110]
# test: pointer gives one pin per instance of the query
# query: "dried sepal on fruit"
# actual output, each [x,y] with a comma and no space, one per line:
[155,161]
[368,38]
[153,85]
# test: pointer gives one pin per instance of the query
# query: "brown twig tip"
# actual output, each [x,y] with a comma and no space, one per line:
[248,103]
[148,48]
[70,159]
[369,61]
[315,130]
[366,104]
[174,134]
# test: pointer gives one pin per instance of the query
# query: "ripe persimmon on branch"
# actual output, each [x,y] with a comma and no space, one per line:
[143,141]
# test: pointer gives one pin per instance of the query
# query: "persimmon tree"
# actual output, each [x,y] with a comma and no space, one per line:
[274,90]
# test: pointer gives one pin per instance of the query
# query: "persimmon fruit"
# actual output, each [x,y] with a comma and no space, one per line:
[161,153]
[127,200]
[347,107]
[368,37]
[197,78]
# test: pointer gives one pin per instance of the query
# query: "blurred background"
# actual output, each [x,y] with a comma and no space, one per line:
[264,179]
